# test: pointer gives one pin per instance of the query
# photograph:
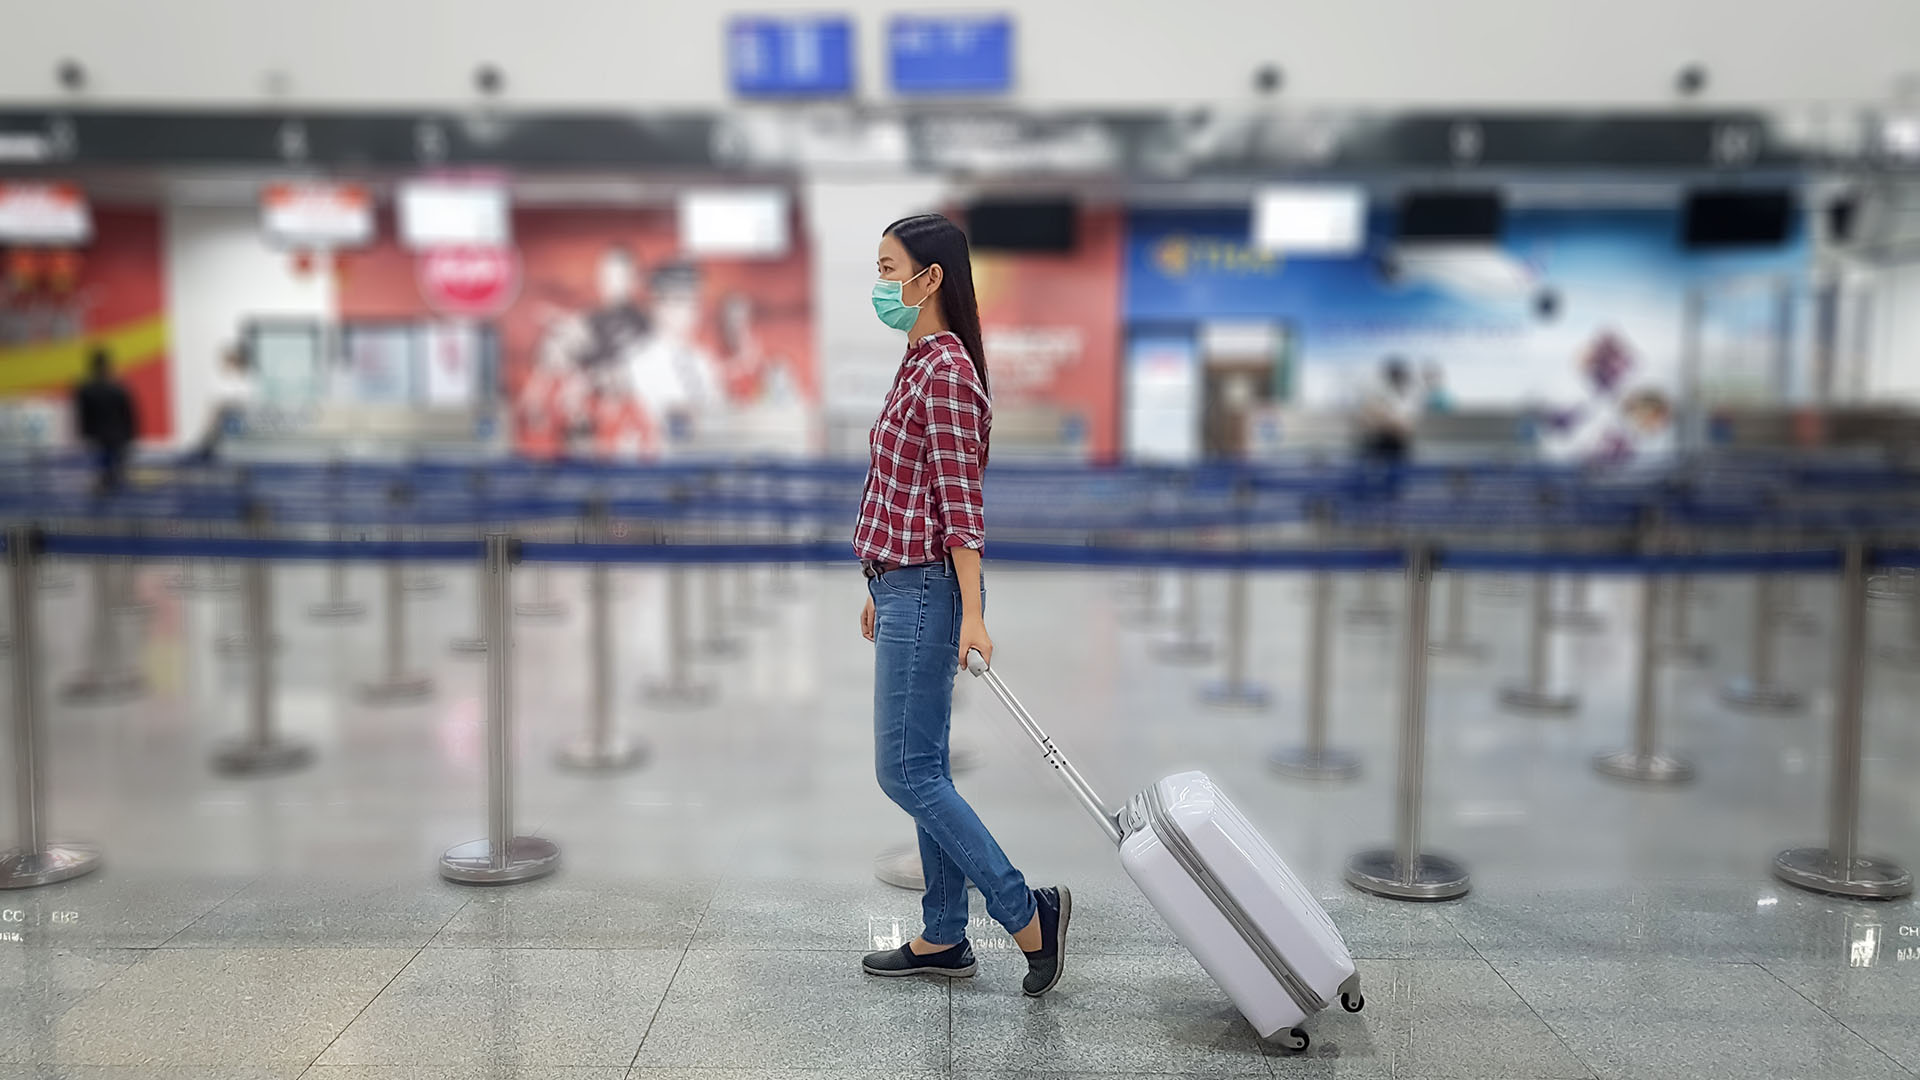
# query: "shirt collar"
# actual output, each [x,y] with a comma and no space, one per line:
[931,342]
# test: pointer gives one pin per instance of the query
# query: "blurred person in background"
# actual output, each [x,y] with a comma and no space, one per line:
[1642,435]
[1435,397]
[675,377]
[558,404]
[919,538]
[106,420]
[230,396]
[1386,413]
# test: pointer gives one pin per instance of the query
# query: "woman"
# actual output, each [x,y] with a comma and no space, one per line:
[919,539]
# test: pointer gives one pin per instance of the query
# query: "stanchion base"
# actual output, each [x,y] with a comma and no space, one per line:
[1797,623]
[1305,763]
[586,755]
[1458,650]
[900,867]
[1743,693]
[472,646]
[56,582]
[139,609]
[540,609]
[58,862]
[1643,768]
[1435,877]
[1232,695]
[337,611]
[721,647]
[1502,588]
[1369,618]
[680,695]
[424,583]
[241,645]
[1580,622]
[1869,878]
[1689,653]
[1885,588]
[1899,655]
[1528,700]
[1182,649]
[244,757]
[106,688]
[528,857]
[399,690]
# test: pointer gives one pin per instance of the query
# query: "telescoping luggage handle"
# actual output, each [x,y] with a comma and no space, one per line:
[1109,823]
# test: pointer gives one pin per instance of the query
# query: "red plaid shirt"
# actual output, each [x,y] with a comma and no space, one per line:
[929,445]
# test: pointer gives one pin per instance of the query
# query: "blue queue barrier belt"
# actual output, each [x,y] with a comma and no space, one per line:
[1822,560]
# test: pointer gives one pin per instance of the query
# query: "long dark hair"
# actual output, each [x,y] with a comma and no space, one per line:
[929,239]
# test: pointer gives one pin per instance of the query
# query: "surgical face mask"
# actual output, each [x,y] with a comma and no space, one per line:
[888,305]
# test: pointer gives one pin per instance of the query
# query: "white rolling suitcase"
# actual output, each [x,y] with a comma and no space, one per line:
[1224,891]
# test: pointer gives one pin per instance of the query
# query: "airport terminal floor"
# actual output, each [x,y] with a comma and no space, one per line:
[714,903]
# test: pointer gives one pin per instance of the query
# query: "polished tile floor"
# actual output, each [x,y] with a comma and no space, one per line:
[714,902]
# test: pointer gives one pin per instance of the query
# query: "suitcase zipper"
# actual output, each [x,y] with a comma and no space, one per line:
[1189,859]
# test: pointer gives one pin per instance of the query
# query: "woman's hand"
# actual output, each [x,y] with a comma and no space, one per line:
[866,620]
[973,635]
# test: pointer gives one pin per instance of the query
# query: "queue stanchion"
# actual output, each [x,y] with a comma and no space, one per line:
[240,642]
[1184,643]
[1371,610]
[1907,652]
[680,687]
[1537,694]
[602,748]
[1788,616]
[338,607]
[261,750]
[1579,615]
[35,860]
[1404,871]
[476,643]
[544,605]
[1644,762]
[1454,640]
[1679,646]
[399,684]
[111,676]
[1315,760]
[1758,689]
[501,857]
[1235,690]
[126,583]
[1839,869]
[716,642]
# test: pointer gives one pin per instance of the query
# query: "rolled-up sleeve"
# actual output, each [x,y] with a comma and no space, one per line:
[955,439]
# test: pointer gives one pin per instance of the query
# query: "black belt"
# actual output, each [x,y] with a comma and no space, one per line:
[873,568]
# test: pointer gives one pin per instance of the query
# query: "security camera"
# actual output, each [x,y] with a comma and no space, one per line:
[1691,80]
[1267,78]
[489,79]
[71,74]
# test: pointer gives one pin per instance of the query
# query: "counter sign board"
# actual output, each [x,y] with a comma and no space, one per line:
[953,54]
[790,56]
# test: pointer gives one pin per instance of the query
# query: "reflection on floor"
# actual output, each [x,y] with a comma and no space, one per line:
[715,900]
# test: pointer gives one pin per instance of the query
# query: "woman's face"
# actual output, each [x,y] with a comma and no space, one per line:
[895,264]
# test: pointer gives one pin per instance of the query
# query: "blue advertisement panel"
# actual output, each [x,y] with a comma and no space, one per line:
[1573,301]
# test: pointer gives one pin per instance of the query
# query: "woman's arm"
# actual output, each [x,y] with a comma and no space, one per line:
[973,626]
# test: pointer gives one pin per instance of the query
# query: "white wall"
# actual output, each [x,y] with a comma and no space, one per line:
[219,274]
[858,353]
[627,55]
[1895,348]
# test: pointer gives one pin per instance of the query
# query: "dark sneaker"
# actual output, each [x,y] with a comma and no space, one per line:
[1054,907]
[954,963]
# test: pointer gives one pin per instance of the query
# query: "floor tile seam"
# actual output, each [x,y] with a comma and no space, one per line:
[383,989]
[249,883]
[633,1062]
[1824,1011]
[1558,1036]
[464,904]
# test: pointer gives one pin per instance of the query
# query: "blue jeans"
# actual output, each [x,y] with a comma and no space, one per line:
[916,656]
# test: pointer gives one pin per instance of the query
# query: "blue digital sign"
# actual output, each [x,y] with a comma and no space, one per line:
[791,56]
[955,54]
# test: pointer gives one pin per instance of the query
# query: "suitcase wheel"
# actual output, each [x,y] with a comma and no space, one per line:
[1353,1002]
[1294,1039]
